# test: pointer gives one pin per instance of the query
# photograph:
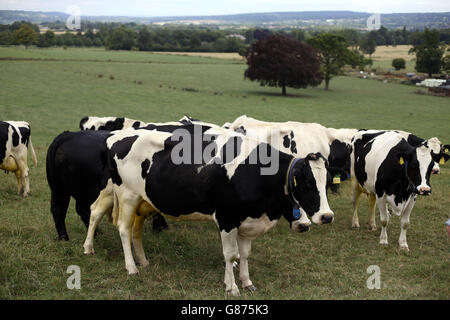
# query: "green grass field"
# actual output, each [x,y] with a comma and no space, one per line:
[53,89]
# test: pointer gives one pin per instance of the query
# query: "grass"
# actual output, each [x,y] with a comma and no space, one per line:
[329,262]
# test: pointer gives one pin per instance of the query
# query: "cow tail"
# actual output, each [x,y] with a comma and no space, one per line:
[33,154]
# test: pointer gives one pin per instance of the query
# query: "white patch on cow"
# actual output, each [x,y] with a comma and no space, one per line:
[424,157]
[320,175]
[251,228]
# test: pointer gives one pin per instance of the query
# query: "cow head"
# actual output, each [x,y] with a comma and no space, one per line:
[419,163]
[436,147]
[308,185]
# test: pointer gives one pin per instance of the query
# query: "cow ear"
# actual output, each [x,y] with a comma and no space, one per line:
[440,158]
[445,148]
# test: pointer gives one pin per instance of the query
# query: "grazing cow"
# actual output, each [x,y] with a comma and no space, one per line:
[15,137]
[109,123]
[225,185]
[392,172]
[76,167]
[299,139]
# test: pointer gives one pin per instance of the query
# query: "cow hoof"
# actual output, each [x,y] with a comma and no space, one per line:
[89,252]
[404,248]
[372,228]
[234,292]
[355,225]
[384,242]
[144,264]
[64,237]
[132,271]
[250,288]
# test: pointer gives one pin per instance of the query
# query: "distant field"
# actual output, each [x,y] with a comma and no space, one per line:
[330,262]
[383,56]
[220,55]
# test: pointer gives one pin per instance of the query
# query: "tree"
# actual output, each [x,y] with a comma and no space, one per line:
[47,39]
[429,52]
[120,39]
[368,44]
[281,61]
[398,63]
[24,35]
[144,41]
[334,52]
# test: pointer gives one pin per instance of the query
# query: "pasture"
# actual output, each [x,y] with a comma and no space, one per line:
[53,89]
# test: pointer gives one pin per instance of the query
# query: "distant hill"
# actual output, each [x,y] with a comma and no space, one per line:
[321,19]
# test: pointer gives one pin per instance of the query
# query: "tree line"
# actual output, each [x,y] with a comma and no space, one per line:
[131,36]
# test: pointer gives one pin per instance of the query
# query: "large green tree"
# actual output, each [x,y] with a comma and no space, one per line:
[281,61]
[429,52]
[25,35]
[368,44]
[335,54]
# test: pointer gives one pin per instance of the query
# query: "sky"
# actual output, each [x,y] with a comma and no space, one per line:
[152,8]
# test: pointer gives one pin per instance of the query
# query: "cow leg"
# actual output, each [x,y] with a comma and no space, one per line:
[58,207]
[373,205]
[384,220]
[98,209]
[244,246]
[356,193]
[23,168]
[124,224]
[159,223]
[230,252]
[20,188]
[138,226]
[405,223]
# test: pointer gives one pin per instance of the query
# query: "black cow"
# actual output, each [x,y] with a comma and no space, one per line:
[76,167]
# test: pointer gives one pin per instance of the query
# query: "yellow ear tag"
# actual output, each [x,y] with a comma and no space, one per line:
[442,161]
[336,180]
[295,182]
[446,150]
[401,161]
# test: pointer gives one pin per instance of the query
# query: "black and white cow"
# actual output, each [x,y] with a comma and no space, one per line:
[225,185]
[117,123]
[109,123]
[299,139]
[76,167]
[392,172]
[15,137]
[435,145]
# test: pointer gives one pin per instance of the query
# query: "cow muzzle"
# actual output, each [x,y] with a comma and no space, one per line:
[323,218]
[424,191]
[301,226]
[327,218]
